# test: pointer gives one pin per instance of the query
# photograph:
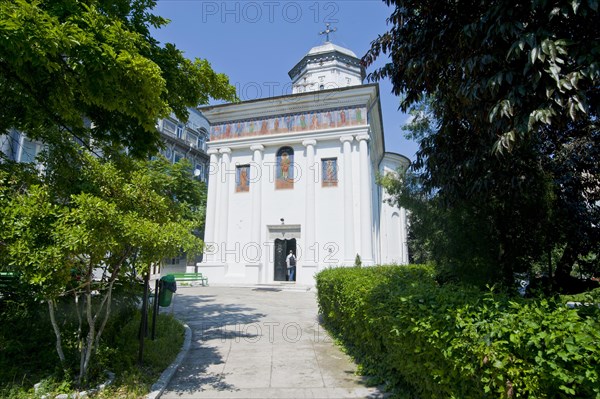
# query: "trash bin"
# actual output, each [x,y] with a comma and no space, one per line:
[167,287]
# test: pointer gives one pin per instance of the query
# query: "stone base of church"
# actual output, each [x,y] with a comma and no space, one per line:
[214,271]
[252,273]
[232,273]
[305,274]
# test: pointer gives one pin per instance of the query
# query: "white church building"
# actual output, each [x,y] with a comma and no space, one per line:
[298,173]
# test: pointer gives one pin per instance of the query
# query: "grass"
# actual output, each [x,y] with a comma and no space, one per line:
[119,354]
[134,381]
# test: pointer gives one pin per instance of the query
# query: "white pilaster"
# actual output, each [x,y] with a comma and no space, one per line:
[366,222]
[211,202]
[224,199]
[309,225]
[256,192]
[403,234]
[349,251]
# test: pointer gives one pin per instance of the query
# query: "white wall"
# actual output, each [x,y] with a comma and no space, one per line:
[393,229]
[289,204]
[330,209]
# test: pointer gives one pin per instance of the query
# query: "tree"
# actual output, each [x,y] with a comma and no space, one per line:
[89,80]
[124,222]
[513,91]
[92,71]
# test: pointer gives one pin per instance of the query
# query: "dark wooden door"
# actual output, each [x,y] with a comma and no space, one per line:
[280,266]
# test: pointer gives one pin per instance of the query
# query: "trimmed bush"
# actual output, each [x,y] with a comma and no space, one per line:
[455,341]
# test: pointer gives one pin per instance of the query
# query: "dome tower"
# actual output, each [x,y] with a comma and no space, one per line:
[327,66]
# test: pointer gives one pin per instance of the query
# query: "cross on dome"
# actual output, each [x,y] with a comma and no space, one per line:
[327,31]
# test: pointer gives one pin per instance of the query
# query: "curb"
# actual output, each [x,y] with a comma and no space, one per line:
[159,386]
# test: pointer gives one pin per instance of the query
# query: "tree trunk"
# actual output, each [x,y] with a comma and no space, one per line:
[565,265]
[79,323]
[59,349]
[106,302]
[93,337]
[144,320]
[86,351]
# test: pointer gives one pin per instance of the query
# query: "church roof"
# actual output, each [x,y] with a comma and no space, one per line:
[366,95]
[330,47]
[327,52]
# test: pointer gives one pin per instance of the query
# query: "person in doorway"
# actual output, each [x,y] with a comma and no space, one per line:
[290,261]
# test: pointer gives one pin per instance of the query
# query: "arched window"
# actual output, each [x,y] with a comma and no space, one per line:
[284,176]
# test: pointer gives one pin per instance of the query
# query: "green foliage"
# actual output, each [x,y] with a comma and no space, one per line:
[458,240]
[19,370]
[133,381]
[26,344]
[455,341]
[66,64]
[145,213]
[505,106]
[115,221]
[524,65]
[158,354]
[27,339]
[589,297]
[87,78]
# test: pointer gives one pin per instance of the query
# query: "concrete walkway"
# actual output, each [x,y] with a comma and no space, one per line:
[261,342]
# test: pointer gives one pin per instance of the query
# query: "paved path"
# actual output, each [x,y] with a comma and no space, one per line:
[259,343]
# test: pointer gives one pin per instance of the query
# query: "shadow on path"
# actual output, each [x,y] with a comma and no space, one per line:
[211,322]
[259,342]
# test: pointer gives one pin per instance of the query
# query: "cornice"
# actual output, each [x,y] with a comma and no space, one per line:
[291,104]
[294,138]
[325,57]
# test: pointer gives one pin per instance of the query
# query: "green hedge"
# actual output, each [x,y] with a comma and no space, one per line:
[458,342]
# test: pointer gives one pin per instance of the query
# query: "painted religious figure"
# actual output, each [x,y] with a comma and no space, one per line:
[358,119]
[314,121]
[302,121]
[326,119]
[329,172]
[330,119]
[284,177]
[342,118]
[264,127]
[242,177]
[289,122]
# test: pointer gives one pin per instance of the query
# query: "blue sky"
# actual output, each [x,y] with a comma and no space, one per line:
[256,43]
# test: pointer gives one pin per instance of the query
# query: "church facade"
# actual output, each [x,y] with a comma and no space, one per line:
[298,173]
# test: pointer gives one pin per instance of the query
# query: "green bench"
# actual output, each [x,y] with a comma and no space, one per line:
[190,277]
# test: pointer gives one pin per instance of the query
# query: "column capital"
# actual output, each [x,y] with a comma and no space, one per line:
[306,143]
[225,150]
[257,147]
[361,137]
[345,139]
[212,151]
